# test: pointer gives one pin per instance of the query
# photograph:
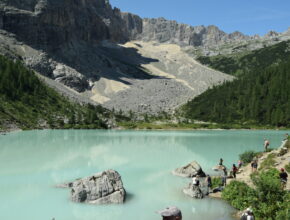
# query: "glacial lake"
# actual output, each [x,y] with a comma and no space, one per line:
[33,162]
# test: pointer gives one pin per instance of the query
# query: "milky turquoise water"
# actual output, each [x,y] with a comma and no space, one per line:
[32,162]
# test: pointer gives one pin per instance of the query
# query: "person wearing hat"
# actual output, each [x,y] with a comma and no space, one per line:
[170,213]
[248,215]
[283,177]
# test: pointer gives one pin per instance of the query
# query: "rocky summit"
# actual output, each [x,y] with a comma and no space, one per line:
[206,41]
[92,52]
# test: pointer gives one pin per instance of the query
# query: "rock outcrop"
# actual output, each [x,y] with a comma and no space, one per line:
[197,192]
[190,170]
[101,188]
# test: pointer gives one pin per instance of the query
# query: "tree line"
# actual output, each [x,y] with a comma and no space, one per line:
[28,103]
[261,95]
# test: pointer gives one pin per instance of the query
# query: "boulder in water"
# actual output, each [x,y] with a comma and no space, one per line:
[193,191]
[190,170]
[102,188]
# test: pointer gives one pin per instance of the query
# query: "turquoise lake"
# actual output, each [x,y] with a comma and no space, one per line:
[33,162]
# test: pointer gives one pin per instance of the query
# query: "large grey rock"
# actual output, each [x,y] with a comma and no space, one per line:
[197,192]
[101,188]
[190,170]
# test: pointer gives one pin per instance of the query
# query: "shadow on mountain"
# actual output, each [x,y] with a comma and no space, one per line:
[51,27]
[109,61]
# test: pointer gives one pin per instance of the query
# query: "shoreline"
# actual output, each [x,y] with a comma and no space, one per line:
[4,132]
[244,175]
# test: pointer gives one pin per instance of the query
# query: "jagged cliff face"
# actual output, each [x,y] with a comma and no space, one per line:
[163,30]
[208,40]
[62,39]
[51,23]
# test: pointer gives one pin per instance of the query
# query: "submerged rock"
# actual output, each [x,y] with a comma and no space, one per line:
[102,188]
[190,170]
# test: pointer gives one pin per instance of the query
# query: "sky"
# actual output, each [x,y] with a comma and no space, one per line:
[247,16]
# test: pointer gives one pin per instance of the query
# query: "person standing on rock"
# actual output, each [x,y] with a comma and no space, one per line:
[221,162]
[234,170]
[283,177]
[221,166]
[266,144]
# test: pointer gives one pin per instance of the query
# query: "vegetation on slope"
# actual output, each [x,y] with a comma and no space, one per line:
[241,63]
[268,200]
[26,102]
[260,96]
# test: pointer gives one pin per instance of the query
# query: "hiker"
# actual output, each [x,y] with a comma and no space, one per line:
[208,180]
[240,164]
[266,144]
[170,213]
[234,170]
[224,176]
[283,178]
[221,162]
[248,215]
[254,165]
[195,180]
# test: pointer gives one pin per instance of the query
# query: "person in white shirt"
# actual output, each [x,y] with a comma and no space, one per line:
[195,180]
[248,215]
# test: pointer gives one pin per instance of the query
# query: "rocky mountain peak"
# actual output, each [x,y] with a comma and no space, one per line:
[271,34]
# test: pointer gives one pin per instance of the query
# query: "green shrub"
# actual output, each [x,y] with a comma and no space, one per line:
[270,195]
[248,156]
[284,212]
[216,182]
[239,195]
[268,200]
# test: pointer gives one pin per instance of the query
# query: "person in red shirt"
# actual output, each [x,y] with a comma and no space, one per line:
[234,170]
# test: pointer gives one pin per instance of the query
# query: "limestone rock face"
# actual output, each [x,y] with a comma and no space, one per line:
[163,30]
[190,170]
[66,32]
[101,188]
[207,40]
[52,23]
